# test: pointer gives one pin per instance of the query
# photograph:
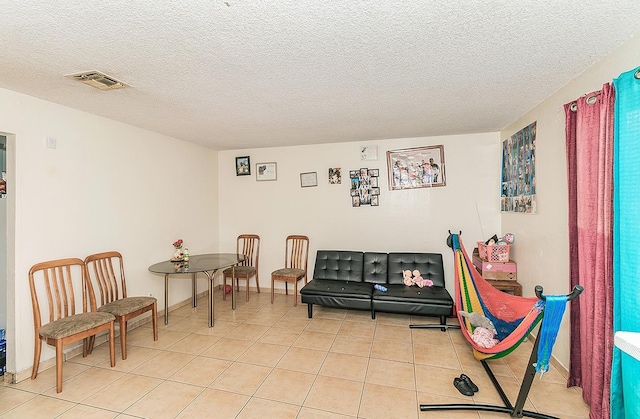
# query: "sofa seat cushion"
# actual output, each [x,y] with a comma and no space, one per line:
[426,295]
[337,288]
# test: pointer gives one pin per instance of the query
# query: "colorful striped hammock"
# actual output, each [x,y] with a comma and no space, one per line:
[513,316]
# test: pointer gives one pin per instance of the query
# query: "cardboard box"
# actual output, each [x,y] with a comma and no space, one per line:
[502,271]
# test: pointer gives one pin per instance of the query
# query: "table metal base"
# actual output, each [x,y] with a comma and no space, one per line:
[210,276]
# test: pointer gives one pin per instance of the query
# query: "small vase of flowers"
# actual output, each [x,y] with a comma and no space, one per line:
[178,254]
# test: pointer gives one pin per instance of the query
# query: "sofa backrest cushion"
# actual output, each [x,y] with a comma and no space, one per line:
[375,267]
[338,265]
[429,264]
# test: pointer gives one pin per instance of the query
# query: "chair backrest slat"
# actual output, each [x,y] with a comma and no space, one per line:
[105,271]
[249,245]
[297,252]
[60,280]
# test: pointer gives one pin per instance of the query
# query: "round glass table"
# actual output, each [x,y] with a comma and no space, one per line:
[208,264]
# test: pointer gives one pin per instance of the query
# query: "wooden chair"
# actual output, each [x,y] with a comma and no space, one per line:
[248,245]
[105,273]
[59,279]
[295,265]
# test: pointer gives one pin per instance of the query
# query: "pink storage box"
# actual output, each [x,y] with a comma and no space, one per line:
[496,270]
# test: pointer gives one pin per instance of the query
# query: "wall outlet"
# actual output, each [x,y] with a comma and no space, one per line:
[51,142]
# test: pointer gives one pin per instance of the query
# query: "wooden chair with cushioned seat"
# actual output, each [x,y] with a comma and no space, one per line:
[295,265]
[105,273]
[249,246]
[59,280]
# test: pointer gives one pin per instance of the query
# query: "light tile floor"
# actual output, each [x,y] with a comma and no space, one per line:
[271,361]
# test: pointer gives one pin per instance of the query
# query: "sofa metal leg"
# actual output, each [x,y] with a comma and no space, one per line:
[373,314]
[443,326]
[310,310]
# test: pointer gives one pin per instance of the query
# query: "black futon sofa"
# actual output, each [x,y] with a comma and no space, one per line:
[346,279]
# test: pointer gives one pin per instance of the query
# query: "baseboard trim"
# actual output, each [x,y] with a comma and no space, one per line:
[13,378]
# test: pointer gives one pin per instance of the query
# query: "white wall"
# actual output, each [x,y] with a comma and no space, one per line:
[106,186]
[414,220]
[542,243]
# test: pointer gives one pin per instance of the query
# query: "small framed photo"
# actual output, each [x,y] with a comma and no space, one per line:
[266,171]
[308,179]
[335,176]
[375,200]
[243,166]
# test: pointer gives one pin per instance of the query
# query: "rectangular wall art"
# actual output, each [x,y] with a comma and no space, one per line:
[364,187]
[518,182]
[421,167]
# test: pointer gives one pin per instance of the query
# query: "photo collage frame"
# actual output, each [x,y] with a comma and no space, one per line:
[364,187]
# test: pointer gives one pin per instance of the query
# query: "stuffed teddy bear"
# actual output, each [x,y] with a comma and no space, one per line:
[408,280]
[415,278]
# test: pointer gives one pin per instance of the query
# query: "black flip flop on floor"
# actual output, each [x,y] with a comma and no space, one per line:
[462,386]
[470,383]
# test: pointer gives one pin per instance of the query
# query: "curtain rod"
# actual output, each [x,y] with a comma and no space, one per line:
[591,99]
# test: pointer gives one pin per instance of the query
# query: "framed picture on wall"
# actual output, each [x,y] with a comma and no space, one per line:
[420,167]
[243,166]
[335,175]
[308,179]
[266,171]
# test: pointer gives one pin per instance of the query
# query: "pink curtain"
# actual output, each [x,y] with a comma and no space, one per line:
[589,142]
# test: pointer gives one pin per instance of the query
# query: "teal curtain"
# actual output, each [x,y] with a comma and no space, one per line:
[625,372]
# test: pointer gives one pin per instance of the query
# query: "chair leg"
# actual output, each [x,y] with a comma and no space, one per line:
[272,285]
[36,357]
[154,321]
[286,288]
[257,283]
[59,366]
[295,294]
[123,337]
[224,287]
[247,290]
[112,346]
[90,344]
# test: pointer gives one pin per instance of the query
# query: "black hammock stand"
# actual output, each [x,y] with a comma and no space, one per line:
[517,410]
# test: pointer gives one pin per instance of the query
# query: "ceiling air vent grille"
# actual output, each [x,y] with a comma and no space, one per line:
[98,80]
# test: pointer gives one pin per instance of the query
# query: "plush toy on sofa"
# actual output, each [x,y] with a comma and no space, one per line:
[415,278]
[408,279]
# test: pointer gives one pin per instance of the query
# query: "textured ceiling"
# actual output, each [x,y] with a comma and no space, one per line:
[242,74]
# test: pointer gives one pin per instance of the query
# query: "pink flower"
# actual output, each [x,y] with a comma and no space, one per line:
[428,283]
[177,244]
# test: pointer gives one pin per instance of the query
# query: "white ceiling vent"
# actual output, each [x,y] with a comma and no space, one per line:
[98,80]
